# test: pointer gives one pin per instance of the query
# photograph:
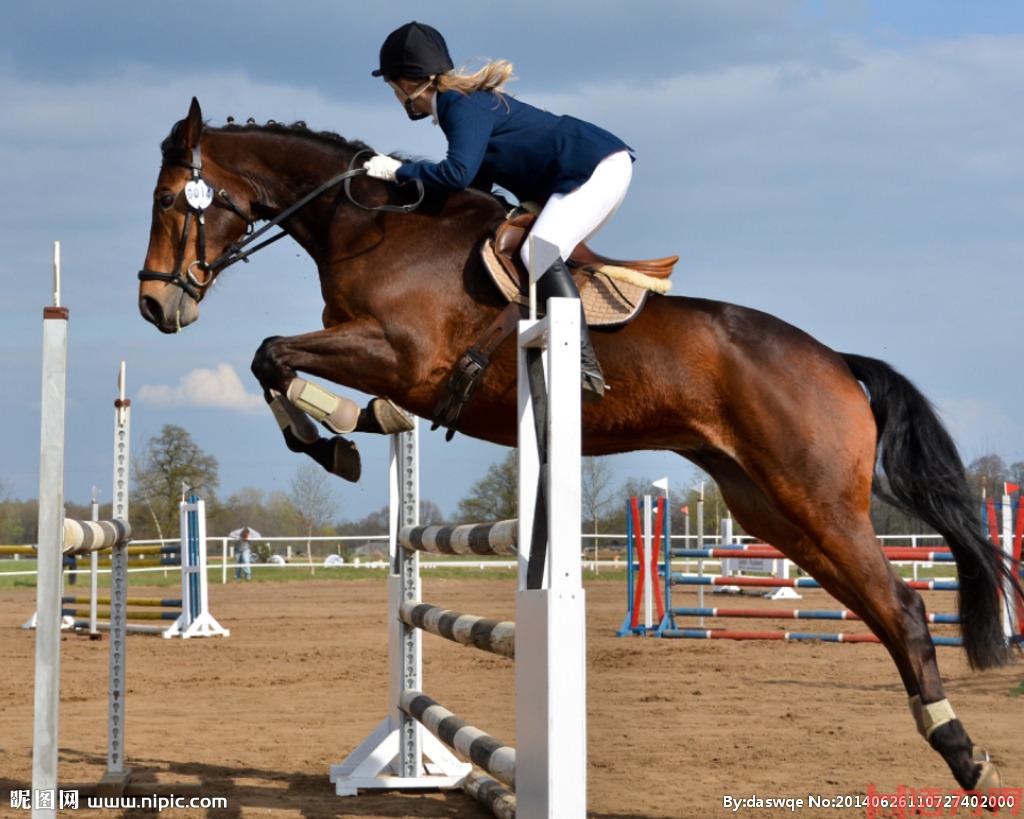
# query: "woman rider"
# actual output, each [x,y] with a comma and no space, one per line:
[579,172]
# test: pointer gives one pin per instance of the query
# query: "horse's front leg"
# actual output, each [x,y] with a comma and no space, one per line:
[356,354]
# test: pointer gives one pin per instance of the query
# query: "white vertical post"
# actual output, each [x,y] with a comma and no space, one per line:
[398,753]
[646,569]
[1009,595]
[51,546]
[117,775]
[551,769]
[195,619]
[404,642]
[730,566]
[56,274]
[700,545]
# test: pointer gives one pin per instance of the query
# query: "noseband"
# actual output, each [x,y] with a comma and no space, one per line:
[200,195]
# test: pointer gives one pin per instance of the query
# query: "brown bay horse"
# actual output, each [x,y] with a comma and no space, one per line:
[780,421]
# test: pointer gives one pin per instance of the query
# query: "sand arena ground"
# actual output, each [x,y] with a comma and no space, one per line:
[673,725]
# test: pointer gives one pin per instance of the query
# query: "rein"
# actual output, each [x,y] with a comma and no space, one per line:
[200,195]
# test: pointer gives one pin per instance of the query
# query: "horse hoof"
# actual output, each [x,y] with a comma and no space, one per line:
[389,417]
[347,463]
[989,779]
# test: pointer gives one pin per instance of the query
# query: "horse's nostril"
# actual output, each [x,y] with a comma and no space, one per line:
[150,309]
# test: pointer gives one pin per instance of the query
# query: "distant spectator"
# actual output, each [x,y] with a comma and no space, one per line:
[243,556]
[71,564]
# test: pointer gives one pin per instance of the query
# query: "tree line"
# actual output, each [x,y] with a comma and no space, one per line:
[172,463]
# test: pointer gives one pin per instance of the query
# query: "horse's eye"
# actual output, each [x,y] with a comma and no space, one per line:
[167,199]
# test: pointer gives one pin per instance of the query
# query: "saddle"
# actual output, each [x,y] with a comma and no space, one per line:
[612,290]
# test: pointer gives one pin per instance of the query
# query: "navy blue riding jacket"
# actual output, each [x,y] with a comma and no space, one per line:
[497,140]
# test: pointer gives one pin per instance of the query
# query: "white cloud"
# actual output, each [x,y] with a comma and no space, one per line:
[220,388]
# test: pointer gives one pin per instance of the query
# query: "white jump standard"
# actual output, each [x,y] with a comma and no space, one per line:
[57,535]
[548,638]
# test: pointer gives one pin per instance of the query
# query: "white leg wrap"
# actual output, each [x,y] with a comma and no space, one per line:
[917,713]
[339,415]
[932,716]
[288,416]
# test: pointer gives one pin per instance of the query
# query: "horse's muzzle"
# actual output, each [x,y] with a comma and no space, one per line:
[169,309]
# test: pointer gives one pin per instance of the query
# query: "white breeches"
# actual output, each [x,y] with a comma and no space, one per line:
[570,218]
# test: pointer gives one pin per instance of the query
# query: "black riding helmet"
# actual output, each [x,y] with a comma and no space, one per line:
[414,51]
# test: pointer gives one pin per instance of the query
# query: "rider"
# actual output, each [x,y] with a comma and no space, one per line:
[577,171]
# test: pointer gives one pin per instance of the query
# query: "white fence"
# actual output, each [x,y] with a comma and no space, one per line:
[590,544]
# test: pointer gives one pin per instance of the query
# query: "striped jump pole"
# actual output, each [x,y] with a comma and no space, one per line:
[84,536]
[496,758]
[497,637]
[787,636]
[490,793]
[679,579]
[548,765]
[497,539]
[156,602]
[132,615]
[1000,528]
[795,614]
[894,553]
[740,562]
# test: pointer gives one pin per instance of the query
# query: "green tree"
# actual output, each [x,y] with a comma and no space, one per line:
[987,472]
[596,490]
[170,460]
[18,518]
[890,520]
[312,498]
[1016,473]
[268,513]
[494,496]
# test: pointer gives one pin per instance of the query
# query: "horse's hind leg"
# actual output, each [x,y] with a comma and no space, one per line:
[851,566]
[833,540]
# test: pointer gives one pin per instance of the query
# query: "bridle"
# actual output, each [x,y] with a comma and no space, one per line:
[200,196]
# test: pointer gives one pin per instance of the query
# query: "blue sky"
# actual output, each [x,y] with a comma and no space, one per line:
[854,167]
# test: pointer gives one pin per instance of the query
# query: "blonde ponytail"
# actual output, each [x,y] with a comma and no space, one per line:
[492,77]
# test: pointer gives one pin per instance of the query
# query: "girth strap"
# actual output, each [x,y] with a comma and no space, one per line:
[465,378]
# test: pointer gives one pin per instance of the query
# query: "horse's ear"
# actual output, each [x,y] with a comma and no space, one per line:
[193,124]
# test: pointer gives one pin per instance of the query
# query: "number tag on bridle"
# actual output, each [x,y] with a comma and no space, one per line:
[198,194]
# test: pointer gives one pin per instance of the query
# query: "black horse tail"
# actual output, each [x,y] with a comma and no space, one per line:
[925,477]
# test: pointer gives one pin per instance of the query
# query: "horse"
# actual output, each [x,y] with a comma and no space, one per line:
[797,435]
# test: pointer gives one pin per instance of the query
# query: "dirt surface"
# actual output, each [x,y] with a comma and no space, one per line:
[674,725]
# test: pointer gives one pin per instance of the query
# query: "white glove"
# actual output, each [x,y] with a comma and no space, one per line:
[382,167]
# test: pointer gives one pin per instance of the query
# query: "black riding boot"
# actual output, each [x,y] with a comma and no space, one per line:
[557,282]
